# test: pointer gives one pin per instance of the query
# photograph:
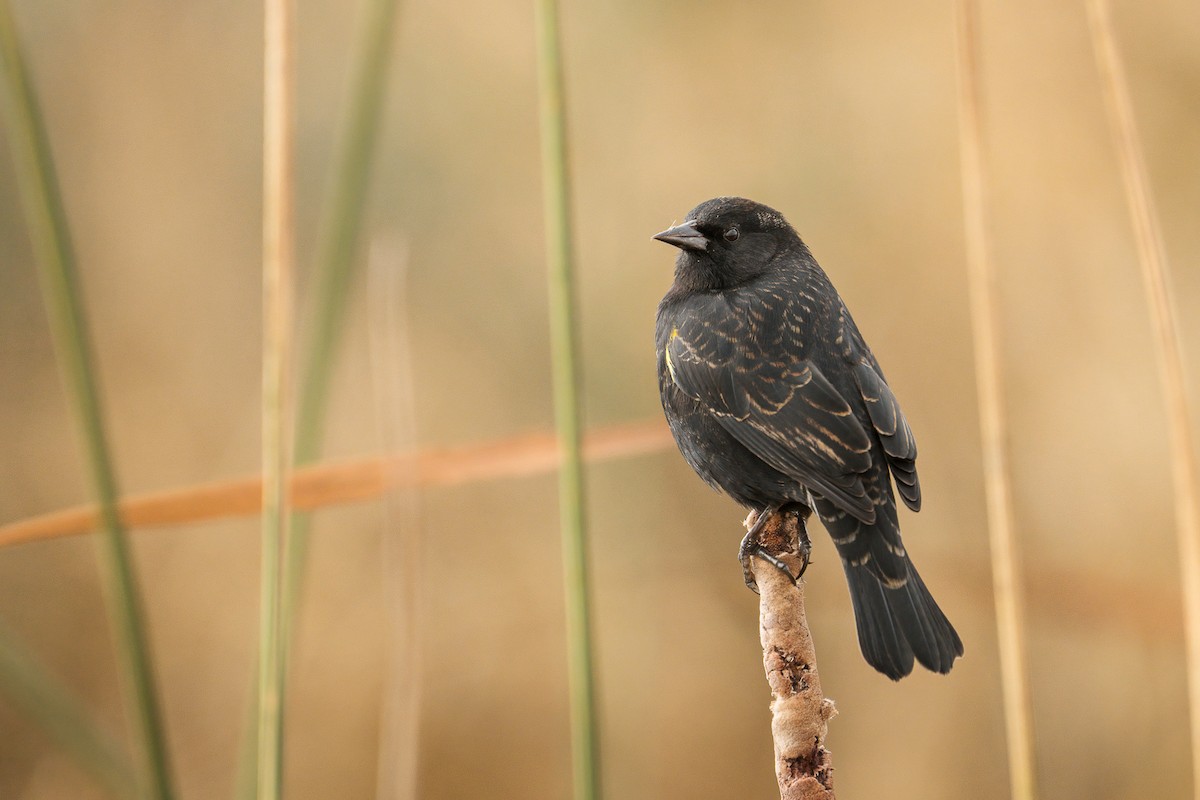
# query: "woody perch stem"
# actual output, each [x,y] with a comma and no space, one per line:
[800,713]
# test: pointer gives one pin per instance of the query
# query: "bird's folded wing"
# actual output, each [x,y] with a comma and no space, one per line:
[785,412]
[898,443]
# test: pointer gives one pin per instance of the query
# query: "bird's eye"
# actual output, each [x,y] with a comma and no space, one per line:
[732,235]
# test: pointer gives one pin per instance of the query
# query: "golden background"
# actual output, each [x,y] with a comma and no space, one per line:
[843,117]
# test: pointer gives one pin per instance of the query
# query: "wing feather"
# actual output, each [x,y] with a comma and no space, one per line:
[899,445]
[786,413]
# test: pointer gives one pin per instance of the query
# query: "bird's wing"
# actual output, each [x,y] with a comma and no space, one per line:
[782,409]
[899,446]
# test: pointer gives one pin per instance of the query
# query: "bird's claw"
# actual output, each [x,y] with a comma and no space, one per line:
[752,547]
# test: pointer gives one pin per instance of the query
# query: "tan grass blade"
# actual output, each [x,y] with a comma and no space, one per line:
[1167,350]
[1006,574]
[278,282]
[350,481]
[1078,598]
[402,551]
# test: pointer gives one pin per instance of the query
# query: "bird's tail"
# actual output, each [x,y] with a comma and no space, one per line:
[897,624]
[898,619]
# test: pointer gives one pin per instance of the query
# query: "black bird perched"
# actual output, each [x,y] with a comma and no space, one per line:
[775,399]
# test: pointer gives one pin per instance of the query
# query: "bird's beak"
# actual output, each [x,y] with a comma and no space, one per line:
[684,236]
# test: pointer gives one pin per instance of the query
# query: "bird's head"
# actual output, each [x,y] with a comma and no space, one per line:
[727,241]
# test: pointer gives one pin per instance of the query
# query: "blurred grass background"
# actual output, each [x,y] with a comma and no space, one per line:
[843,118]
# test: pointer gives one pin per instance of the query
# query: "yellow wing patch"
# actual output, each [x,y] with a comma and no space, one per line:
[667,352]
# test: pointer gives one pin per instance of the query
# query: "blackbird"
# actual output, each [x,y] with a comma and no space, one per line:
[775,399]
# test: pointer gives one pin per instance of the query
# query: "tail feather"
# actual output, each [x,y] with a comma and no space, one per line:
[941,644]
[897,625]
[898,619]
[883,644]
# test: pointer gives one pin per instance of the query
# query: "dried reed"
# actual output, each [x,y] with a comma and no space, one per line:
[1006,573]
[1156,278]
[278,281]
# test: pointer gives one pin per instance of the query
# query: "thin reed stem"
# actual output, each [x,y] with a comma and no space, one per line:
[336,266]
[1156,278]
[30,687]
[60,288]
[338,262]
[351,481]
[1006,573]
[567,411]
[390,350]
[278,277]
[338,249]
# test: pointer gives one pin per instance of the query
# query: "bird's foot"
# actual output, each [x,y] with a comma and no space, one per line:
[753,546]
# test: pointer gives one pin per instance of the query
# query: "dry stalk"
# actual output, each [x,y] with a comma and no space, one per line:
[1007,580]
[800,713]
[1168,351]
[349,481]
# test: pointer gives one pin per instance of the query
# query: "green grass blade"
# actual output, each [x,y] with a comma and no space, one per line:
[338,261]
[57,271]
[62,717]
[565,348]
